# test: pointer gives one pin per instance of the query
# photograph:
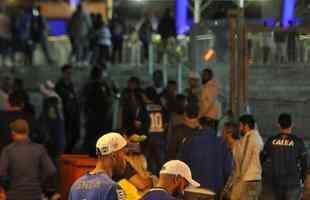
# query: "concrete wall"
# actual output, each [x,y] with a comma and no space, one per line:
[276,89]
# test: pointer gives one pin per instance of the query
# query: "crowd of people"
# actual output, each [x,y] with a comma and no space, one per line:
[162,142]
[94,39]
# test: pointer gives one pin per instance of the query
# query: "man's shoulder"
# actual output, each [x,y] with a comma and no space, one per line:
[157,194]
[9,147]
[101,179]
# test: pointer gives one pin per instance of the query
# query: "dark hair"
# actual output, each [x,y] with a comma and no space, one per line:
[209,71]
[248,120]
[232,129]
[151,94]
[207,122]
[192,110]
[285,120]
[18,84]
[157,73]
[180,103]
[135,80]
[66,67]
[172,82]
[96,73]
[16,99]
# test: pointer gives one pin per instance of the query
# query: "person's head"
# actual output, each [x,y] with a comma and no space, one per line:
[66,71]
[80,7]
[180,102]
[175,176]
[19,129]
[96,73]
[133,83]
[6,84]
[246,123]
[193,79]
[172,87]
[167,13]
[192,111]
[285,122]
[207,75]
[230,132]
[207,122]
[150,96]
[158,78]
[110,149]
[16,100]
[18,84]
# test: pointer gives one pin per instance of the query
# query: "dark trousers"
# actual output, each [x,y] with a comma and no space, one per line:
[72,128]
[286,194]
[104,53]
[156,152]
[117,51]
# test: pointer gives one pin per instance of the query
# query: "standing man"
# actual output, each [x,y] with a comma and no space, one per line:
[79,27]
[194,90]
[174,177]
[248,170]
[156,120]
[209,105]
[188,128]
[98,108]
[208,156]
[97,184]
[39,33]
[158,85]
[289,158]
[26,164]
[71,108]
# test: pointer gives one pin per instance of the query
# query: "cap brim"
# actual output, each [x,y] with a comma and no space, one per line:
[190,181]
[193,183]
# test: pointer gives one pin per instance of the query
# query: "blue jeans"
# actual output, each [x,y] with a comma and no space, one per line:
[287,194]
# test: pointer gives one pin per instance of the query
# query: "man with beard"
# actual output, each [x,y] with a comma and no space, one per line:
[174,177]
[97,184]
[209,105]
[71,108]
[247,174]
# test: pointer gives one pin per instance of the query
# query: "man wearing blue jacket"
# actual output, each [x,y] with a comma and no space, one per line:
[208,157]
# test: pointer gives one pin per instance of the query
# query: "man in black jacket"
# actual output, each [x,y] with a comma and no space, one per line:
[288,157]
[71,107]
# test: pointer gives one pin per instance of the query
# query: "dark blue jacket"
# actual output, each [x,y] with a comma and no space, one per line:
[209,158]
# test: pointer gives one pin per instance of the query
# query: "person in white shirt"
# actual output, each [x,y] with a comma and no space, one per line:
[247,174]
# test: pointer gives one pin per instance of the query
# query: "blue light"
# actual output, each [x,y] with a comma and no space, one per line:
[181,16]
[58,27]
[74,3]
[288,13]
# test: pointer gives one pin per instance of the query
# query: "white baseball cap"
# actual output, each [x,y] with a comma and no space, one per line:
[193,75]
[177,167]
[110,143]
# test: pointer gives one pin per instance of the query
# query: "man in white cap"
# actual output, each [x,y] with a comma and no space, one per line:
[174,177]
[97,184]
